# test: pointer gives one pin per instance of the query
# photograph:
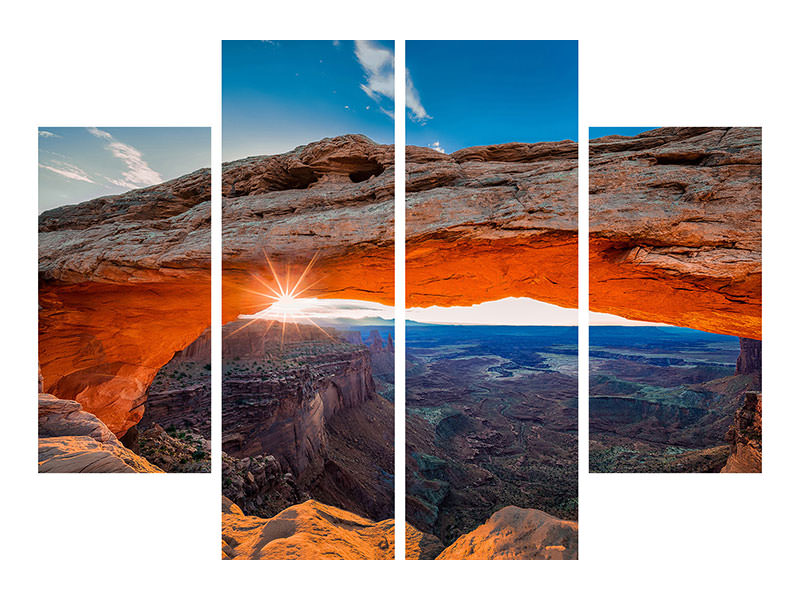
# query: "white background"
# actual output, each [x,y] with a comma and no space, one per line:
[641,64]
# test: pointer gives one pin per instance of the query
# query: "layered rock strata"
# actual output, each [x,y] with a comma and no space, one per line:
[490,222]
[332,199]
[124,283]
[675,228]
[180,394]
[303,402]
[72,440]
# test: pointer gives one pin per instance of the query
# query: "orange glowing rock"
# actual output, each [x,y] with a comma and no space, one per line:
[675,228]
[124,283]
[307,531]
[491,222]
[514,533]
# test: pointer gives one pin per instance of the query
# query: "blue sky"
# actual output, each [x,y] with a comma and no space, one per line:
[82,163]
[277,95]
[471,93]
[596,132]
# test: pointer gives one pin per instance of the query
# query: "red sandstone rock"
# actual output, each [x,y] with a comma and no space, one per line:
[517,534]
[124,283]
[745,437]
[306,531]
[675,228]
[333,199]
[490,222]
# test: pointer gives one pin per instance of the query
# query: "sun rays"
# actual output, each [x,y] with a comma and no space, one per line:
[284,299]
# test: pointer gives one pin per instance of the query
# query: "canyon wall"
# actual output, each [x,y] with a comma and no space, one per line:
[675,228]
[283,413]
[124,283]
[302,419]
[180,395]
[745,437]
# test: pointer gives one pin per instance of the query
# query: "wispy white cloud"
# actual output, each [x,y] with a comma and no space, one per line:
[47,134]
[378,65]
[413,103]
[138,173]
[437,146]
[67,170]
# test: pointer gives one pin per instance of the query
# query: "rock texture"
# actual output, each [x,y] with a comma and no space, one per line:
[517,534]
[468,214]
[124,283]
[421,546]
[489,222]
[675,228]
[259,485]
[745,437]
[285,407]
[74,441]
[180,394]
[306,531]
[305,400]
[749,360]
[175,451]
[333,199]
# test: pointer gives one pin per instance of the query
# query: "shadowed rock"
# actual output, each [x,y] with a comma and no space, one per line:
[745,437]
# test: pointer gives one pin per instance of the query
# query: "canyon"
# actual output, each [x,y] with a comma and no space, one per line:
[663,399]
[124,280]
[491,422]
[301,416]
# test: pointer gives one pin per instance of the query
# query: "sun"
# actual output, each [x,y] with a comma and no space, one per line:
[286,304]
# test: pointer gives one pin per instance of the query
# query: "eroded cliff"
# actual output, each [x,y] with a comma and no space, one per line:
[306,399]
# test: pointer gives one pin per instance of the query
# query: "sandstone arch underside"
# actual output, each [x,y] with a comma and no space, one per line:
[124,281]
[675,228]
